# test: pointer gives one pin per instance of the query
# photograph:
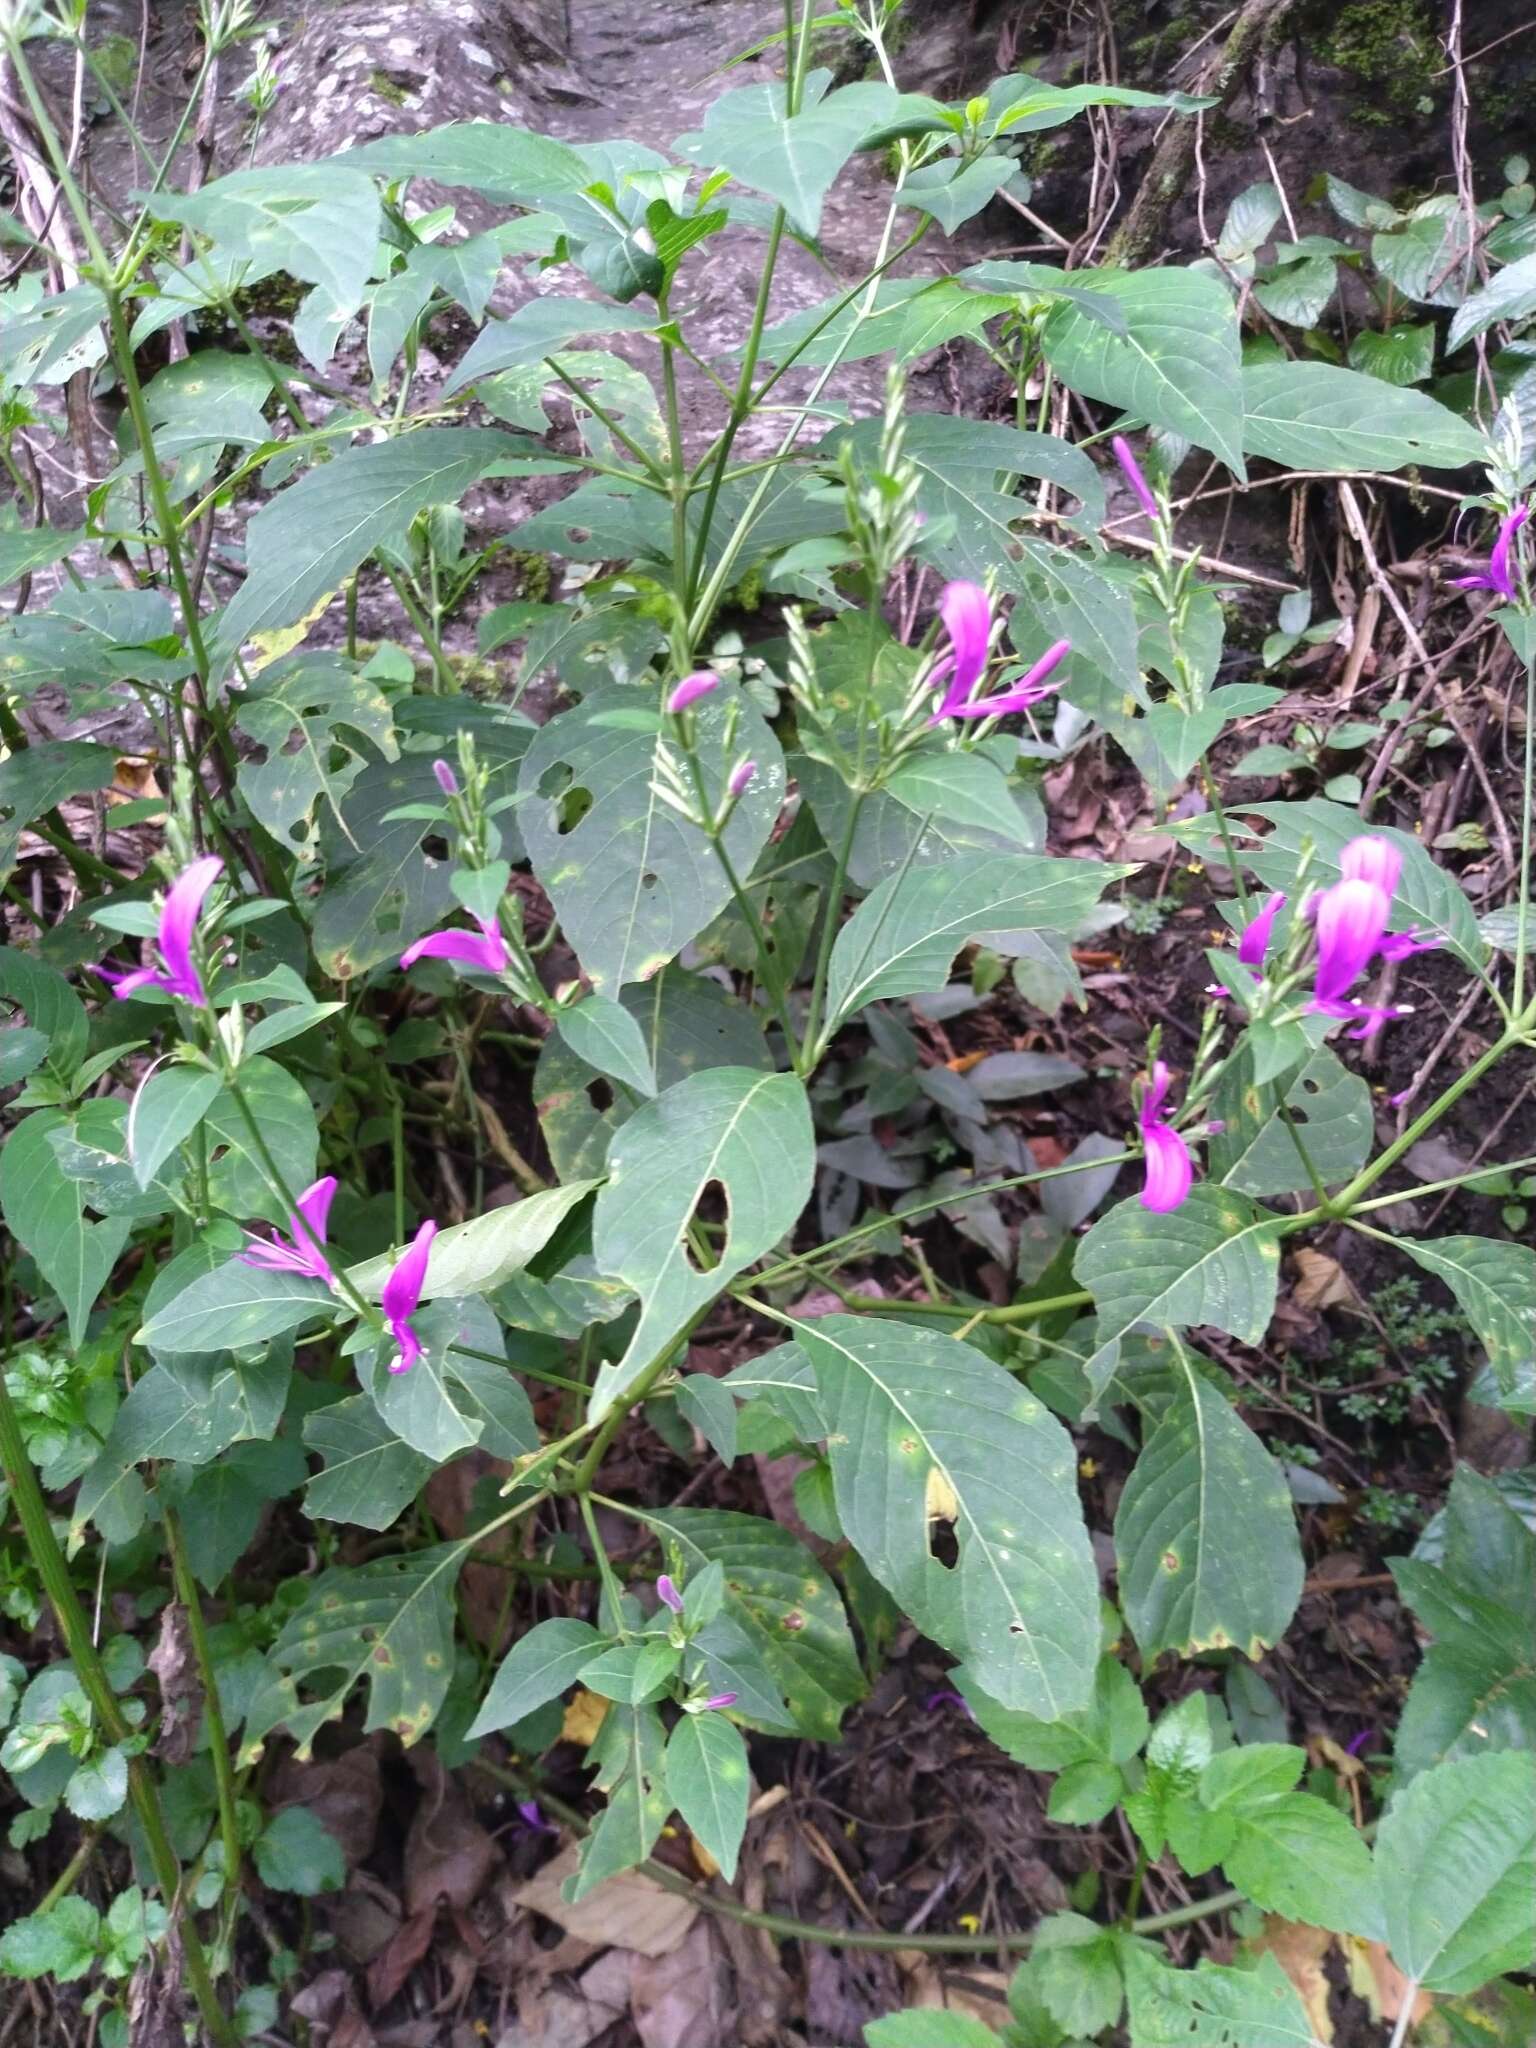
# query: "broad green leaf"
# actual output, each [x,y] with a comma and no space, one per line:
[325,706]
[1299,293]
[1074,1970]
[1178,363]
[904,936]
[1475,1690]
[1427,897]
[1316,416]
[1212,2006]
[99,1788]
[166,1110]
[303,544]
[381,891]
[161,1418]
[295,1852]
[541,328]
[792,159]
[750,1135]
[781,1601]
[237,1179]
[34,779]
[498,160]
[539,1666]
[25,548]
[963,788]
[236,1305]
[954,194]
[1508,295]
[369,1476]
[943,312]
[1086,1748]
[50,1006]
[928,2029]
[1331,1109]
[389,1621]
[221,1504]
[631,1758]
[1456,1862]
[604,1035]
[1215,1259]
[923,1428]
[708,1780]
[446,1400]
[687,1023]
[474,1257]
[632,881]
[45,1212]
[633,1674]
[1402,355]
[1299,1857]
[1495,1282]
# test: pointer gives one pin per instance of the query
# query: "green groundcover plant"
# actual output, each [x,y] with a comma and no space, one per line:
[223,1290]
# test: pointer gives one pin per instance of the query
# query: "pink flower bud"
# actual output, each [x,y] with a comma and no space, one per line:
[447,781]
[741,775]
[691,689]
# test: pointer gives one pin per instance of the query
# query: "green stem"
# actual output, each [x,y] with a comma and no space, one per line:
[647,461]
[829,927]
[447,681]
[612,1590]
[213,1713]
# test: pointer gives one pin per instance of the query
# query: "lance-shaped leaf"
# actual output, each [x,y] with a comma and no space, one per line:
[1330,1108]
[904,935]
[45,1211]
[750,1136]
[450,1397]
[474,1257]
[606,1036]
[631,880]
[1214,1259]
[234,1305]
[538,329]
[538,1667]
[1456,1862]
[631,1759]
[922,1429]
[1495,1282]
[1317,416]
[389,1622]
[708,1780]
[1205,1534]
[369,1475]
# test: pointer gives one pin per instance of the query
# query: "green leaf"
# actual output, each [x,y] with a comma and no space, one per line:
[165,1417]
[1402,355]
[1178,363]
[934,2029]
[942,312]
[781,1600]
[903,937]
[1300,1857]
[1074,1969]
[631,880]
[238,1180]
[539,1666]
[45,1211]
[369,1475]
[708,1779]
[954,194]
[1256,1153]
[23,549]
[1508,295]
[1087,1748]
[966,788]
[1316,416]
[303,544]
[474,1257]
[1495,1283]
[1456,1861]
[748,1133]
[792,159]
[50,1006]
[1299,293]
[60,1943]
[221,1504]
[921,1427]
[378,900]
[305,716]
[233,1306]
[687,1023]
[633,1674]
[631,1755]
[34,779]
[1215,1259]
[606,1037]
[496,159]
[297,1853]
[707,1404]
[167,1109]
[541,328]
[100,1787]
[1205,1533]
[1212,2006]
[389,1621]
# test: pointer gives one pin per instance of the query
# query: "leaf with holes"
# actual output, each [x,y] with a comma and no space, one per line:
[1212,2006]
[1495,1282]
[1205,1533]
[306,715]
[368,1475]
[1214,1260]
[1456,1861]
[748,1133]
[631,881]
[1257,1153]
[921,1429]
[630,1753]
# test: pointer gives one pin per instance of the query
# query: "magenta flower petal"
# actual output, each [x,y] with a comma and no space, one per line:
[402,1292]
[966,611]
[126,983]
[1170,1171]
[691,689]
[668,1593]
[1501,576]
[1027,692]
[1372,860]
[178,920]
[740,778]
[717,1701]
[306,1253]
[1402,945]
[485,950]
[1351,921]
[1132,472]
[447,781]
[1253,946]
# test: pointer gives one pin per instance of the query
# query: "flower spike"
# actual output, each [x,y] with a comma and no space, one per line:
[1499,576]
[1253,946]
[178,920]
[306,1229]
[967,614]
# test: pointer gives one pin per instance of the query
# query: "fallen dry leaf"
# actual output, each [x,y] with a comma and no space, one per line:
[448,1855]
[1374,1977]
[631,1911]
[344,1793]
[1299,1950]
[1323,1283]
[683,2000]
[399,1956]
[583,1717]
[181,1690]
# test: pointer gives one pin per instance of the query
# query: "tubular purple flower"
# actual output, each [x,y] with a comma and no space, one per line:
[1132,471]
[487,952]
[1257,933]
[402,1292]
[668,1594]
[1170,1171]
[691,689]
[178,920]
[966,611]
[1350,920]
[447,781]
[1026,693]
[306,1228]
[740,778]
[1372,860]
[716,1702]
[1499,575]
[533,1819]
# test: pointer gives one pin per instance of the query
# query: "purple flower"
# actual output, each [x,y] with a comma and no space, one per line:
[1023,695]
[447,781]
[1131,469]
[178,919]
[1499,575]
[967,614]
[669,1595]
[1350,920]
[1361,1741]
[691,689]
[306,1228]
[945,1698]
[533,1819]
[740,778]
[1169,1169]
[715,1703]
[402,1291]
[1254,943]
[488,952]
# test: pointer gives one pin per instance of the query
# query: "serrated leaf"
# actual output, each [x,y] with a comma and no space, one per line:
[1317,416]
[1205,1533]
[61,1942]
[539,1667]
[921,1427]
[708,1781]
[1400,355]
[1456,1862]
[1299,1857]
[368,1474]
[297,1853]
[1212,2006]
[99,1788]
[750,1134]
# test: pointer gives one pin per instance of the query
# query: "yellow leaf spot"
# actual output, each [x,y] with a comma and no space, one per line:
[583,1718]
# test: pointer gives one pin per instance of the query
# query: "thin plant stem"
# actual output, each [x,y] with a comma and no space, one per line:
[213,1714]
